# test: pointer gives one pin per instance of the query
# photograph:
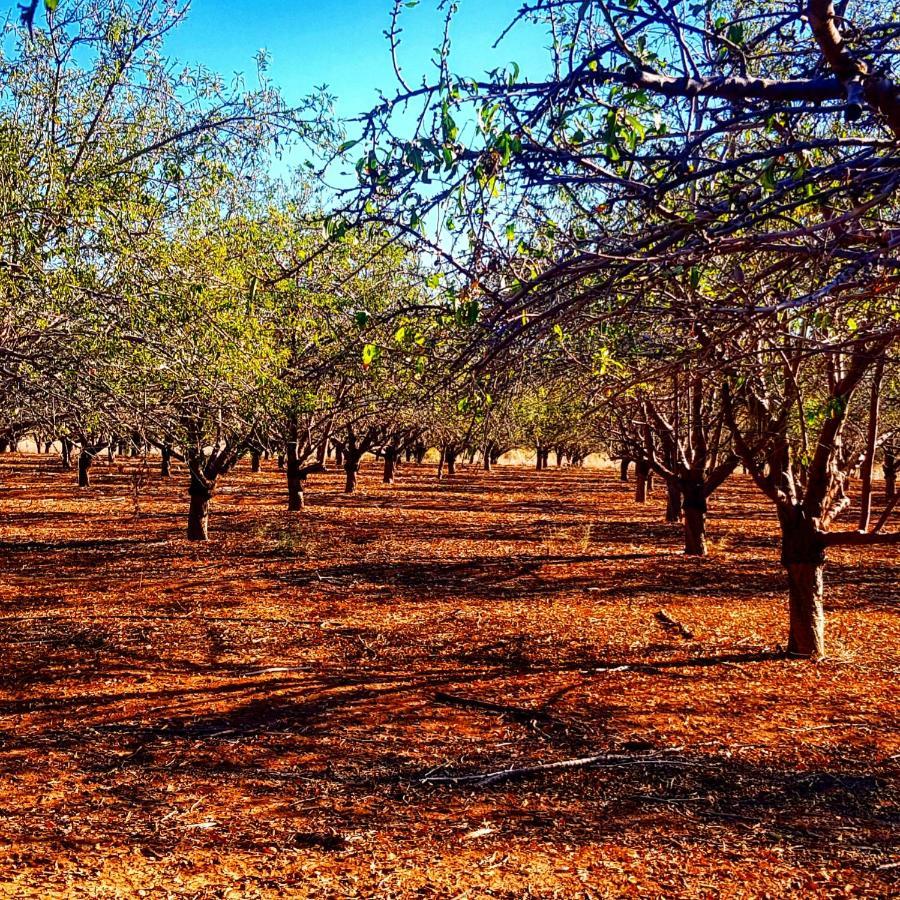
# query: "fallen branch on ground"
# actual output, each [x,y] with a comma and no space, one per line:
[515,712]
[602,760]
[673,625]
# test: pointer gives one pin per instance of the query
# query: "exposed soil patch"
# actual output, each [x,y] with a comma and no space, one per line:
[255,717]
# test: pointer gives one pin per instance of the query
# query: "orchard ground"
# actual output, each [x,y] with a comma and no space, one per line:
[260,716]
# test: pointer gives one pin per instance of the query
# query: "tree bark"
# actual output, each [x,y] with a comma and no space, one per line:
[868,463]
[165,466]
[641,479]
[803,556]
[450,455]
[623,468]
[294,479]
[198,519]
[694,506]
[673,501]
[559,458]
[390,459]
[351,469]
[539,459]
[890,466]
[198,513]
[807,615]
[65,452]
[694,531]
[338,456]
[85,461]
[255,463]
[486,463]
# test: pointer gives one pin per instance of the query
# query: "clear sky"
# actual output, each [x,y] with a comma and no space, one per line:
[341,43]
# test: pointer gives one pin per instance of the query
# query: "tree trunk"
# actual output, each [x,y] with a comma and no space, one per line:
[85,460]
[390,458]
[419,454]
[623,468]
[450,456]
[408,454]
[198,513]
[694,531]
[673,501]
[198,519]
[66,452]
[486,458]
[539,459]
[694,507]
[559,459]
[641,472]
[803,556]
[890,474]
[165,466]
[294,479]
[338,456]
[255,461]
[351,469]
[807,615]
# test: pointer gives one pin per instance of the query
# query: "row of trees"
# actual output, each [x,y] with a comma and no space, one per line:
[673,244]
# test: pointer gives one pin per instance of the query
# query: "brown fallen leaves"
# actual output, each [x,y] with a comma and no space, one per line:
[254,717]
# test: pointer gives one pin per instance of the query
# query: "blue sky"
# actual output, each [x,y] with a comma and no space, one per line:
[342,44]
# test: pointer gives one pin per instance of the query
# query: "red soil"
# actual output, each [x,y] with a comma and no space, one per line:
[252,717]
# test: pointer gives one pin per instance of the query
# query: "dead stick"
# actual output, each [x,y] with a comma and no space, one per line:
[600,761]
[487,706]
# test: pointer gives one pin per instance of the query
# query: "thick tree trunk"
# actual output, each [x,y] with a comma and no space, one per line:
[694,531]
[338,456]
[623,468]
[351,469]
[641,481]
[539,459]
[255,464]
[673,501]
[85,461]
[803,556]
[450,454]
[295,493]
[198,513]
[807,615]
[694,506]
[198,519]
[390,459]
[165,466]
